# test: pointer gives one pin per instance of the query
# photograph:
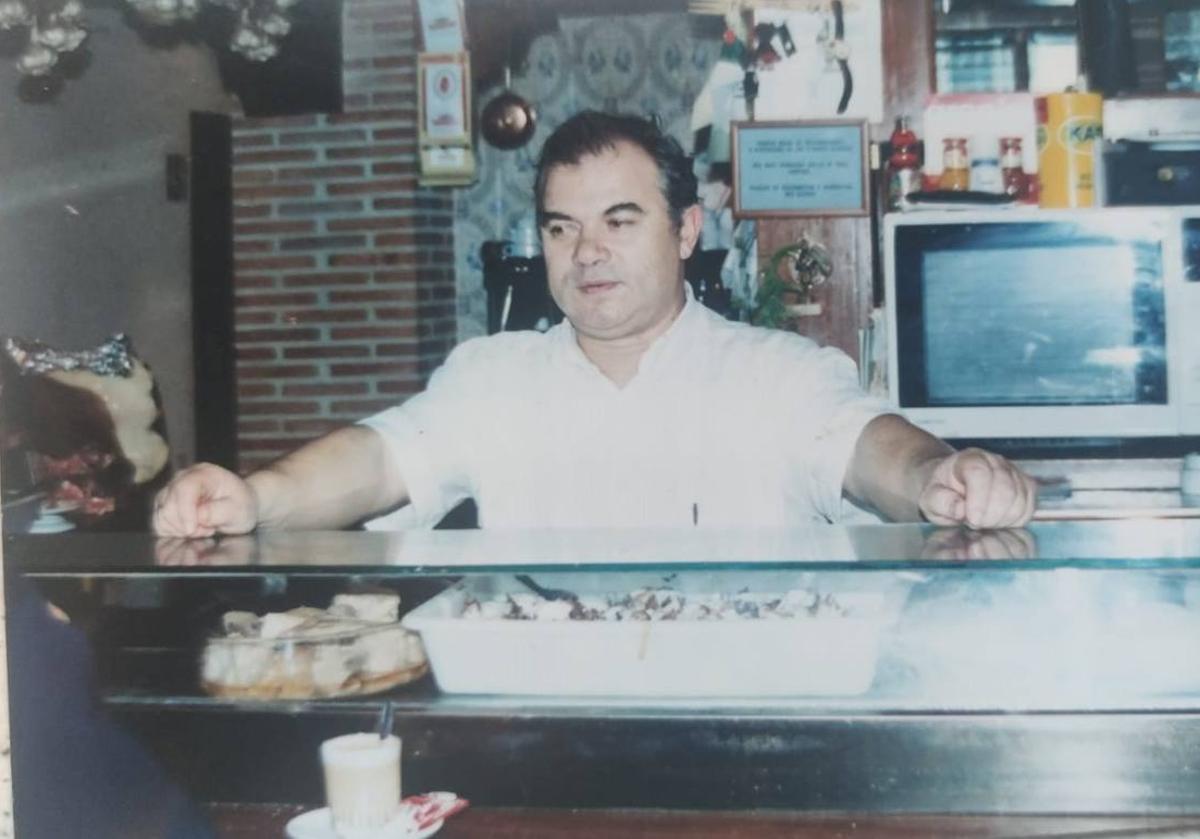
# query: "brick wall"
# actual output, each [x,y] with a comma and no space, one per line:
[344,272]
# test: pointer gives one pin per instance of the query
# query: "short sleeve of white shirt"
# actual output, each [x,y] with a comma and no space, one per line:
[838,411]
[429,437]
[824,412]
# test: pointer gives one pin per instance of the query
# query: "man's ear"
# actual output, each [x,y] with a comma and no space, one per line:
[689,230]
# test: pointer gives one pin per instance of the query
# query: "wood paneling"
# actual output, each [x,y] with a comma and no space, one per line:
[908,62]
[845,297]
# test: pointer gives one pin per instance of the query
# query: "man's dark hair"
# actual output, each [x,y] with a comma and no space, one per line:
[594,132]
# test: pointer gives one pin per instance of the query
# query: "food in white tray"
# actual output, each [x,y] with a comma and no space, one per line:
[660,603]
[357,646]
[638,635]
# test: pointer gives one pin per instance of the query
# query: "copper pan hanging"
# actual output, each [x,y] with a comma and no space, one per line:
[508,120]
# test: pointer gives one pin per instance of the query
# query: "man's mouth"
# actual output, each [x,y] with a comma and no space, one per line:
[597,286]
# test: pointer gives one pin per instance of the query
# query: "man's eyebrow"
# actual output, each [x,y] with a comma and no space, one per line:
[547,216]
[625,207]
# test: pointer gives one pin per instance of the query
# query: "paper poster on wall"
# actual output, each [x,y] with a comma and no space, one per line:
[443,26]
[443,100]
[444,119]
[836,69]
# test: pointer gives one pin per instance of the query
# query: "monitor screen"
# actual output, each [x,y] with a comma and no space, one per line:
[1023,315]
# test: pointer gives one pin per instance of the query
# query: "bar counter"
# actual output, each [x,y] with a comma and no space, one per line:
[1050,671]
[250,822]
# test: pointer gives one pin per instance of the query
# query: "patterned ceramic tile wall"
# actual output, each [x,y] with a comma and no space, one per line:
[646,64]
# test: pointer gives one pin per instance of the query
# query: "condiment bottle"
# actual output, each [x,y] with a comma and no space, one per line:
[956,171]
[986,175]
[904,171]
[1012,168]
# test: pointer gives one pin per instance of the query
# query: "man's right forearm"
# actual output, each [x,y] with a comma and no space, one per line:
[330,483]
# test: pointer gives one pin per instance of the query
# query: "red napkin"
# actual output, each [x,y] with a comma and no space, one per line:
[423,810]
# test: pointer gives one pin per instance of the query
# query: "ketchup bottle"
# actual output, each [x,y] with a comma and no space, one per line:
[904,166]
[1012,167]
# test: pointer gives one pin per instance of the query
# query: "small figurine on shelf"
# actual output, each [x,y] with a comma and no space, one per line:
[786,294]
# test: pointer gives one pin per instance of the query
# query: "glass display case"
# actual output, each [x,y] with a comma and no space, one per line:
[897,668]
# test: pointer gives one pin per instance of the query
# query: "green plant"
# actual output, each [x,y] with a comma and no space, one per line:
[808,265]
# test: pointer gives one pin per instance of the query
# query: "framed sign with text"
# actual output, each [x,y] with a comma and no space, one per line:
[800,168]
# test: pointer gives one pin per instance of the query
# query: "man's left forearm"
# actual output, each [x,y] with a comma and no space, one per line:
[892,463]
[907,475]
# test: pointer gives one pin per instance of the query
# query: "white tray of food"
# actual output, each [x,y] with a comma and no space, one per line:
[708,634]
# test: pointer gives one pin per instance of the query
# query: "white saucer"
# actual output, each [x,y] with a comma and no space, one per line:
[49,521]
[318,824]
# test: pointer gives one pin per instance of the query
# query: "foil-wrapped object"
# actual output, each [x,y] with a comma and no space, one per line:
[112,358]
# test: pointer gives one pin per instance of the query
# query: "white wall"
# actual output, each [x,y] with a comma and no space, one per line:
[89,245]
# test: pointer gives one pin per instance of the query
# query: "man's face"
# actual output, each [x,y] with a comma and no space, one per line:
[613,257]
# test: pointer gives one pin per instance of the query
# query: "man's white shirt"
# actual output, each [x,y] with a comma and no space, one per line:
[723,426]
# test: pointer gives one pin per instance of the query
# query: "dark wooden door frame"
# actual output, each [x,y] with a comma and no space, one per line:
[214,353]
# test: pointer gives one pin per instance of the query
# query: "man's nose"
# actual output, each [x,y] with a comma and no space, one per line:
[590,250]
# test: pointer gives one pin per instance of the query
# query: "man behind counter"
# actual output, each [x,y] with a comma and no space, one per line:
[641,409]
